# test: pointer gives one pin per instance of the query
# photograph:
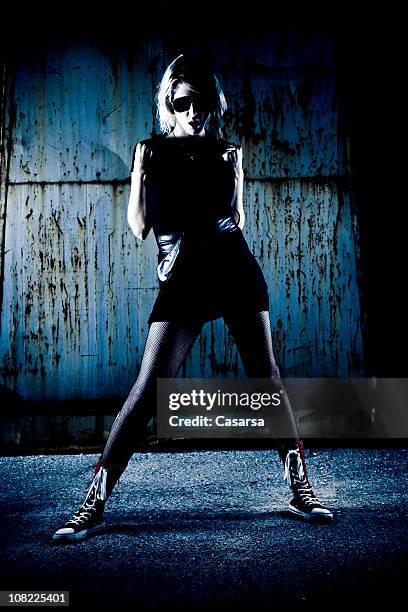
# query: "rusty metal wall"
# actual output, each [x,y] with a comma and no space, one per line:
[78,287]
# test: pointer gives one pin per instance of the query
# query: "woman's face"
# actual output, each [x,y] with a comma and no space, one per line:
[190,110]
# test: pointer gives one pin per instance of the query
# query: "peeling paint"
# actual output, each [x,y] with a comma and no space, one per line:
[78,287]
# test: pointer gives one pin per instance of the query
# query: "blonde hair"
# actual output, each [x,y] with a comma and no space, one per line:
[191,71]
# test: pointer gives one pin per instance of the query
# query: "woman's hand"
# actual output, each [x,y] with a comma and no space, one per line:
[233,156]
[143,155]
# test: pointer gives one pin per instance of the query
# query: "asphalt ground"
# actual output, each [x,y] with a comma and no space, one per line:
[210,530]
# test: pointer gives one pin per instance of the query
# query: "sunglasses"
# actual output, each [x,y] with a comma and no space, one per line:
[181,105]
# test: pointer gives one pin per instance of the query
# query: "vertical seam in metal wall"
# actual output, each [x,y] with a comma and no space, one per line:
[6,144]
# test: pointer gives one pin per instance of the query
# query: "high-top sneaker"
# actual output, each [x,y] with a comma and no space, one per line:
[304,503]
[89,518]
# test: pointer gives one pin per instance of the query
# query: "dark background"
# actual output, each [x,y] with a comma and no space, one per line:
[370,69]
[370,52]
[369,528]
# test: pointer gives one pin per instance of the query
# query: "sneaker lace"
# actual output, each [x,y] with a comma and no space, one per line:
[295,474]
[96,492]
[83,515]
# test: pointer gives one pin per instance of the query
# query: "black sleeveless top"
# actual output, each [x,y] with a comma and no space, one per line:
[188,179]
[205,268]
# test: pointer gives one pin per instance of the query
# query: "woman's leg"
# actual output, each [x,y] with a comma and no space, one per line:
[166,347]
[252,334]
[253,337]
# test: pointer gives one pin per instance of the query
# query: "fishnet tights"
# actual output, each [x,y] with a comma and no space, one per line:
[167,346]
[253,338]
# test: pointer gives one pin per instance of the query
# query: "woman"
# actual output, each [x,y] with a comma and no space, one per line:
[187,186]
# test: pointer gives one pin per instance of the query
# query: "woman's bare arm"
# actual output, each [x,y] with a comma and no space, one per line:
[138,213]
[234,156]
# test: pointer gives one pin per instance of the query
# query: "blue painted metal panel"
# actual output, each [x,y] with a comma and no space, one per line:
[78,287]
[308,255]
